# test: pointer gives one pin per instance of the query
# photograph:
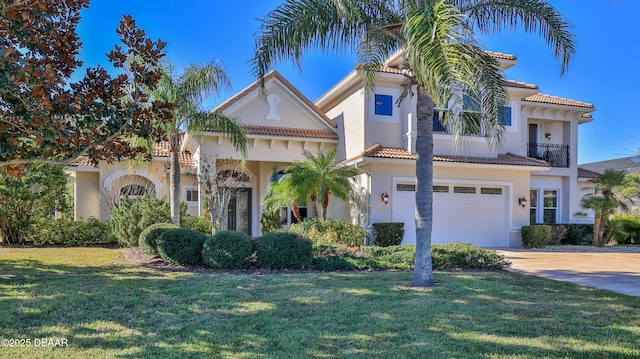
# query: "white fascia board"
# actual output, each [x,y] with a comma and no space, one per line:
[457,164]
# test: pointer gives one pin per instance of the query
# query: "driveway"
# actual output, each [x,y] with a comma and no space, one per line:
[610,268]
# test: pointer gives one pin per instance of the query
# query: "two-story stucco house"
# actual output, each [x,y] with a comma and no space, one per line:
[481,195]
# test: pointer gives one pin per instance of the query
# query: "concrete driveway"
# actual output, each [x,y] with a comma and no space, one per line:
[614,269]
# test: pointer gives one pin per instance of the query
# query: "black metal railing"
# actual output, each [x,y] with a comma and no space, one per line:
[555,155]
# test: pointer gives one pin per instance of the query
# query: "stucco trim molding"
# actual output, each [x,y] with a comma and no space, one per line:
[127,172]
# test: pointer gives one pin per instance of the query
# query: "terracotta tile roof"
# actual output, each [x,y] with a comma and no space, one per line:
[541,98]
[391,70]
[585,173]
[83,161]
[520,84]
[509,159]
[186,159]
[290,132]
[287,84]
[500,55]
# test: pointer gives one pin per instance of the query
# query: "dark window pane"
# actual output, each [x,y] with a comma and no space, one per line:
[534,198]
[504,116]
[551,199]
[533,216]
[549,216]
[441,189]
[383,105]
[406,187]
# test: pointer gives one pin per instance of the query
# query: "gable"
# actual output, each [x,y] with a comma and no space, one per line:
[278,105]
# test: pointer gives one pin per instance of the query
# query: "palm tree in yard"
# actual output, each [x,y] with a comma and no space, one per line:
[187,92]
[443,63]
[611,192]
[318,177]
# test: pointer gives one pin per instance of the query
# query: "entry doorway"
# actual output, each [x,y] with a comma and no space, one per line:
[239,211]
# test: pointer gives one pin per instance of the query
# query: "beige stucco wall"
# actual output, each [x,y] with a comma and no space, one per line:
[86,194]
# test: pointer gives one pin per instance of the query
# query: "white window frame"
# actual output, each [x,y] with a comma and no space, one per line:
[185,190]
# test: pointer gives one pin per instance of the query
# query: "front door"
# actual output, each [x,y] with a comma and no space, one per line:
[239,212]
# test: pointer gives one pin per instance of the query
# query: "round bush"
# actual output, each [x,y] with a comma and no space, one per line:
[149,237]
[228,250]
[283,250]
[181,246]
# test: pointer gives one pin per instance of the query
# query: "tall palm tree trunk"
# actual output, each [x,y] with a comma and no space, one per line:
[325,204]
[596,228]
[423,271]
[174,177]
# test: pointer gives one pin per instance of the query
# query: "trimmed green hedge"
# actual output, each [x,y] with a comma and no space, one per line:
[196,223]
[330,231]
[388,233]
[228,250]
[536,236]
[283,250]
[181,246]
[67,232]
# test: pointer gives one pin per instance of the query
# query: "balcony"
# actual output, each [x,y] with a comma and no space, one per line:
[555,155]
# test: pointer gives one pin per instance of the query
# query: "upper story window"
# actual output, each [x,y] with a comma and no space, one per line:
[383,106]
[504,116]
[470,117]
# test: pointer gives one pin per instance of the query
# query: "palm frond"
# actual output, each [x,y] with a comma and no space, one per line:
[216,121]
[534,16]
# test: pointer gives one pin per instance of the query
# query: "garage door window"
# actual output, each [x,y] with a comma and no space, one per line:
[406,187]
[441,189]
[494,191]
[460,189]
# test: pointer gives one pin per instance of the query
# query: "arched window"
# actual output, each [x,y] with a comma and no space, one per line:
[234,175]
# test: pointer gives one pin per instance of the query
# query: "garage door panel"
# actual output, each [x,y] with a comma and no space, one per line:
[478,218]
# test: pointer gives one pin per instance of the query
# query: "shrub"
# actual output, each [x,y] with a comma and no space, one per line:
[393,257]
[624,228]
[131,217]
[196,223]
[148,240]
[388,233]
[228,250]
[578,234]
[67,232]
[465,256]
[330,257]
[536,236]
[558,232]
[181,246]
[330,231]
[283,250]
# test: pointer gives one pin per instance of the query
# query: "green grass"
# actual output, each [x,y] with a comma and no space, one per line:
[106,309]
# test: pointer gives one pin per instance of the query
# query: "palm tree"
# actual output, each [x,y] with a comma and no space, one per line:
[443,63]
[186,93]
[611,192]
[318,176]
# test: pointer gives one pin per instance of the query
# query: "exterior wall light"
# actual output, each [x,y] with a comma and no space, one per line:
[547,136]
[522,201]
[385,198]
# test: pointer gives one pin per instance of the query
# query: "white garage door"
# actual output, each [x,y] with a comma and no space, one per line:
[461,213]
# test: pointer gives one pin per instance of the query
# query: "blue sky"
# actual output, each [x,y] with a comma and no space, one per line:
[604,71]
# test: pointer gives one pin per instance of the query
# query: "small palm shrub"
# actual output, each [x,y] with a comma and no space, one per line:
[536,235]
[149,237]
[228,250]
[196,223]
[283,250]
[131,217]
[578,234]
[388,233]
[181,246]
[330,231]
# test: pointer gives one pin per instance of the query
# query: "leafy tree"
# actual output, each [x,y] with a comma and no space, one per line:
[27,193]
[612,190]
[316,178]
[132,216]
[46,117]
[442,63]
[187,92]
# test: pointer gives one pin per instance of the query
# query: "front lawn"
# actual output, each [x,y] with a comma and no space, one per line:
[105,308]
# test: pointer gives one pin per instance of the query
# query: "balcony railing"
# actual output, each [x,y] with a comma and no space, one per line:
[555,155]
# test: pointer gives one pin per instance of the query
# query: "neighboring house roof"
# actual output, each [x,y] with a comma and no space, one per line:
[585,173]
[290,132]
[287,84]
[508,159]
[522,85]
[554,100]
[500,55]
[628,164]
